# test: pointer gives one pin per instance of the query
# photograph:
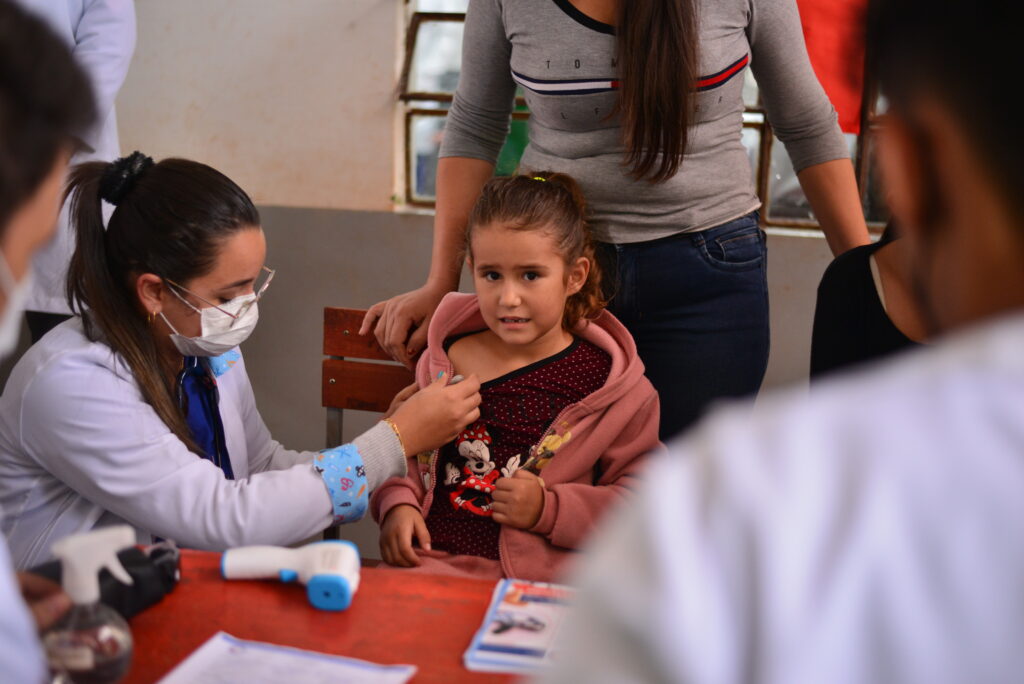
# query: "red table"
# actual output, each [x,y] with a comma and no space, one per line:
[396,617]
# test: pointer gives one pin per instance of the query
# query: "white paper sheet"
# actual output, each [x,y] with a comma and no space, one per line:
[225,659]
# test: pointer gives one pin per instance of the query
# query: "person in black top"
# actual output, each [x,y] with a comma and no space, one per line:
[852,322]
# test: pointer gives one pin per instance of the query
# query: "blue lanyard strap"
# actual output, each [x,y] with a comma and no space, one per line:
[199,401]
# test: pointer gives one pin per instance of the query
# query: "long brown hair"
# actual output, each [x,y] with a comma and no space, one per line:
[549,202]
[656,42]
[170,219]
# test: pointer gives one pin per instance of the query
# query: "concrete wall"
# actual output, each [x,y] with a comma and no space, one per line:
[293,99]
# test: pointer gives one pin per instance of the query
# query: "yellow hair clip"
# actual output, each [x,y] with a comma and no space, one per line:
[539,178]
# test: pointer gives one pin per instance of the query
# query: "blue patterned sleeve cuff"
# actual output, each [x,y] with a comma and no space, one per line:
[343,473]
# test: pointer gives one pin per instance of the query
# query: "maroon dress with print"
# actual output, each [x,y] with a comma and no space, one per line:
[515,413]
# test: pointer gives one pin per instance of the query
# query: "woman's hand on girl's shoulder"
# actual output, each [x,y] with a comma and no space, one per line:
[400,324]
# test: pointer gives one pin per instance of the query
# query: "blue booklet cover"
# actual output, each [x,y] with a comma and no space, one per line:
[520,630]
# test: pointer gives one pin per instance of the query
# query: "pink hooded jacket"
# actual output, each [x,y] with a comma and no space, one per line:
[598,445]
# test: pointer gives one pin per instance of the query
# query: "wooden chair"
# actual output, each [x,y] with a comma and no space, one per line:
[368,384]
[365,385]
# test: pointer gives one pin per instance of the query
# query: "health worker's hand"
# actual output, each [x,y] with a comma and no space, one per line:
[45,599]
[402,322]
[518,501]
[401,524]
[437,413]
[400,399]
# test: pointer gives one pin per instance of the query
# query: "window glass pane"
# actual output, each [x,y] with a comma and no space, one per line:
[787,199]
[440,5]
[750,92]
[881,104]
[426,132]
[875,208]
[425,141]
[752,141]
[512,151]
[788,202]
[438,57]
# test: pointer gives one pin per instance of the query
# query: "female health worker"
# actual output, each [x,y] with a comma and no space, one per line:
[140,409]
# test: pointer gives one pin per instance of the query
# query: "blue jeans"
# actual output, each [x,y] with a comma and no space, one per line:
[697,305]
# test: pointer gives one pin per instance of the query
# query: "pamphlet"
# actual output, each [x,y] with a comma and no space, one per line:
[224,659]
[520,629]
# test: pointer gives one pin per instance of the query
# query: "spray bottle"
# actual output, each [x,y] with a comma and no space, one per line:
[91,643]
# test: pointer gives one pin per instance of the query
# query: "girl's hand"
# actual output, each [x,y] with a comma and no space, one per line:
[400,399]
[518,500]
[437,413]
[400,525]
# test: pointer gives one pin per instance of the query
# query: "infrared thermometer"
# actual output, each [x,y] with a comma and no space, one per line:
[329,569]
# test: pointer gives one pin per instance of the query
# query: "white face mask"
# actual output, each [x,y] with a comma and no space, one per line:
[15,294]
[220,332]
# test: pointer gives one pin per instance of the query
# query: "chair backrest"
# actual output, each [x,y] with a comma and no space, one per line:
[365,385]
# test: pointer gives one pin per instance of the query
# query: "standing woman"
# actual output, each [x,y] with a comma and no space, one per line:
[641,101]
[140,410]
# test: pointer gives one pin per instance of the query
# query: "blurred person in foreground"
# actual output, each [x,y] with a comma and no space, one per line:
[101,37]
[45,103]
[871,531]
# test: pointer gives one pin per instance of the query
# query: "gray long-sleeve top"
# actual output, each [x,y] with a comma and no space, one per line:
[565,63]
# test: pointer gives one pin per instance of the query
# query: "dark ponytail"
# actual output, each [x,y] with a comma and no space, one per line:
[657,43]
[170,219]
[550,202]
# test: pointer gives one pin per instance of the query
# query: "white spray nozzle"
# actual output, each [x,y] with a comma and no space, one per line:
[84,555]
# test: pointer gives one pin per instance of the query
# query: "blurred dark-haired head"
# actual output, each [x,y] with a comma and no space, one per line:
[950,150]
[45,103]
[960,55]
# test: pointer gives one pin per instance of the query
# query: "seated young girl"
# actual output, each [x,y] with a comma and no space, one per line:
[566,413]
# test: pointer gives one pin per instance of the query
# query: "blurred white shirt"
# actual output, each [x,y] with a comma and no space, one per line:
[101,36]
[871,531]
[21,654]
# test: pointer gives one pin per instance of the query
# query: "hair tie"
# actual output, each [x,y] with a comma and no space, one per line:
[120,176]
[538,178]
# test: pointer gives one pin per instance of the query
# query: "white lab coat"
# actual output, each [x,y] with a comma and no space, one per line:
[101,36]
[80,448]
[870,532]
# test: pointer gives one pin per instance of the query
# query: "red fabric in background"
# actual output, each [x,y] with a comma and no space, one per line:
[834,33]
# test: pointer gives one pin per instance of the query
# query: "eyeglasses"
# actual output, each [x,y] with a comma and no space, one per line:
[260,287]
